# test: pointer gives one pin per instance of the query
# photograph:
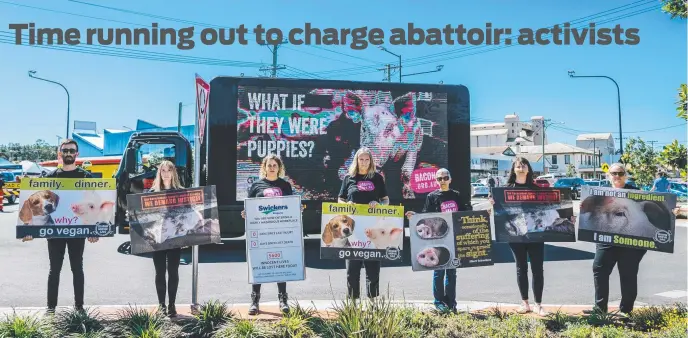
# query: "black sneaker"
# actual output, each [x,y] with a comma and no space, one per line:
[172,311]
[254,308]
[283,298]
[50,311]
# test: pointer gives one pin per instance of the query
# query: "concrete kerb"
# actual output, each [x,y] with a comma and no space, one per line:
[322,309]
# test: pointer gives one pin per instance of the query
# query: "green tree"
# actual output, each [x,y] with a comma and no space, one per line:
[641,161]
[676,8]
[571,171]
[37,152]
[674,156]
[682,103]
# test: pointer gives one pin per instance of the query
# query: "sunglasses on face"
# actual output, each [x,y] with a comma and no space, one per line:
[617,173]
[68,151]
[443,178]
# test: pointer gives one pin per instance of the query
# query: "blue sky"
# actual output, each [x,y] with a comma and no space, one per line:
[526,80]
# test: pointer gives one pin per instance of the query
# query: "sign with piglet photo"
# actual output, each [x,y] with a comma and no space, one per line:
[173,219]
[450,240]
[66,208]
[628,218]
[357,231]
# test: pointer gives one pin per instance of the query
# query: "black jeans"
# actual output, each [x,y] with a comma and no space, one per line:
[56,251]
[281,287]
[629,261]
[353,278]
[167,260]
[536,252]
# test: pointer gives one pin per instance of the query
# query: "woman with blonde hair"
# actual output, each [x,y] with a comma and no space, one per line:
[167,179]
[363,185]
[270,184]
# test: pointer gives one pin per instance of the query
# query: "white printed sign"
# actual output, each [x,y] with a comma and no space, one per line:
[274,239]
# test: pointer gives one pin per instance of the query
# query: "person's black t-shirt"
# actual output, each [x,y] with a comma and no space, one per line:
[444,201]
[267,188]
[361,190]
[76,173]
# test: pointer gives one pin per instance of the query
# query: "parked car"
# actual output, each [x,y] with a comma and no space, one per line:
[478,189]
[596,183]
[542,183]
[575,183]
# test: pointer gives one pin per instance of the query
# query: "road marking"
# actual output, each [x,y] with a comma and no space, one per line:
[673,294]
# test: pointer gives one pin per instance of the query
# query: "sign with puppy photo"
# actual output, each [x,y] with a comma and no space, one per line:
[628,218]
[357,231]
[446,240]
[274,239]
[66,208]
[173,219]
[533,215]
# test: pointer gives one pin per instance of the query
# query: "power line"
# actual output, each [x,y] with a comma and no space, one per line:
[488,48]
[629,132]
[9,38]
[200,24]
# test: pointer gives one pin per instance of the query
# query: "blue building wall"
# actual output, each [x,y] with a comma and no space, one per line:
[86,149]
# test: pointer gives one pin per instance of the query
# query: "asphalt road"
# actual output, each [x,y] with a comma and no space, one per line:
[113,278]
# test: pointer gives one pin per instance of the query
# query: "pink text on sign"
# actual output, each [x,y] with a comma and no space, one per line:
[423,180]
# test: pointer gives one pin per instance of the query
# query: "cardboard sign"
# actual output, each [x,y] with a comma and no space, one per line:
[66,208]
[450,240]
[173,219]
[357,231]
[628,218]
[274,239]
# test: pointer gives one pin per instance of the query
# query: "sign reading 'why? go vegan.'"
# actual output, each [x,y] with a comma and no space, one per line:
[67,208]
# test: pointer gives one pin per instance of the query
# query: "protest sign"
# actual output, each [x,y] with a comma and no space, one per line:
[66,208]
[628,218]
[274,239]
[357,231]
[450,240]
[173,219]
[533,215]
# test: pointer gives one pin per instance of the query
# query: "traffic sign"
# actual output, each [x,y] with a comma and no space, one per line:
[605,167]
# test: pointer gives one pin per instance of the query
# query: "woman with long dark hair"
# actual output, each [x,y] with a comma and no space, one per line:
[521,176]
[167,179]
[270,184]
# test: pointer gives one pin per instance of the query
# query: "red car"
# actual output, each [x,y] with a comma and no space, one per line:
[542,183]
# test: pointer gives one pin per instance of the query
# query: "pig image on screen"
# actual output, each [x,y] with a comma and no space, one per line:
[92,209]
[179,222]
[624,216]
[384,235]
[432,227]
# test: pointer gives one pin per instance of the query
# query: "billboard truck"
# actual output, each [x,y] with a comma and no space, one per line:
[315,126]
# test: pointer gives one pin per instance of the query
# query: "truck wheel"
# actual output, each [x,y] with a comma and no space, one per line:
[12,199]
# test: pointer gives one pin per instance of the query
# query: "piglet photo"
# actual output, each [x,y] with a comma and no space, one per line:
[92,209]
[384,235]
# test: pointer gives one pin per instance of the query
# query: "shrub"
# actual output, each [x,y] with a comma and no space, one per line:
[211,316]
[243,328]
[24,326]
[74,321]
[138,323]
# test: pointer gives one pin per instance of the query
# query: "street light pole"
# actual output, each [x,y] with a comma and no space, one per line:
[397,55]
[33,76]
[572,74]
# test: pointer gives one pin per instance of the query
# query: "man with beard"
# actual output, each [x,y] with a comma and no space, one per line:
[75,246]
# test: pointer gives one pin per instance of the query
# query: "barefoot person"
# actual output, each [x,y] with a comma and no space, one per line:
[270,184]
[167,179]
[362,185]
[521,175]
[69,150]
[443,199]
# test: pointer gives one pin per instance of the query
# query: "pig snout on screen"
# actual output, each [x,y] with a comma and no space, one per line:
[92,209]
[428,257]
[384,237]
[624,216]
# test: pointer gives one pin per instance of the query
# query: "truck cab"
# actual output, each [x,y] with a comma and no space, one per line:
[138,167]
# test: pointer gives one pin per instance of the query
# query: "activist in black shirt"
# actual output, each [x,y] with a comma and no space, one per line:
[443,199]
[521,176]
[69,150]
[628,259]
[363,185]
[270,185]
